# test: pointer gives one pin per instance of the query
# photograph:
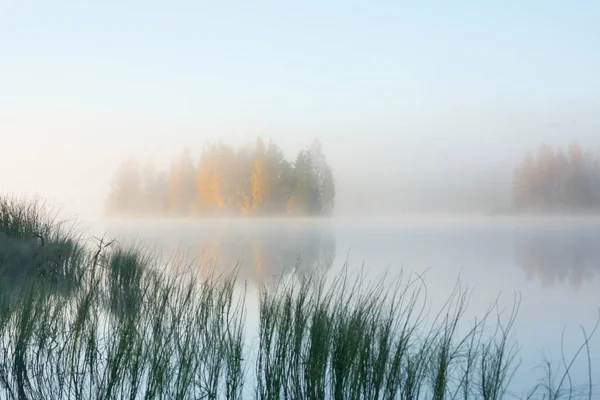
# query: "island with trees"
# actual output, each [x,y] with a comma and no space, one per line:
[556,181]
[256,181]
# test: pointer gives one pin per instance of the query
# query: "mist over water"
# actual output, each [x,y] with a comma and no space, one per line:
[554,265]
[459,143]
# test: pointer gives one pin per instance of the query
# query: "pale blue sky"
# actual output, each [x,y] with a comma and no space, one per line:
[381,82]
[189,57]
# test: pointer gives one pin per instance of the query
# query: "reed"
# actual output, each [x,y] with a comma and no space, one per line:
[107,321]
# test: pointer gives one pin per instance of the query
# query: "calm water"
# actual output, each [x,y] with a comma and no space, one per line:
[553,264]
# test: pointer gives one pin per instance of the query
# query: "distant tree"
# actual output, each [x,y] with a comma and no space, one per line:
[307,199]
[545,176]
[211,183]
[280,179]
[578,185]
[242,181]
[251,181]
[553,181]
[229,172]
[562,173]
[324,177]
[260,179]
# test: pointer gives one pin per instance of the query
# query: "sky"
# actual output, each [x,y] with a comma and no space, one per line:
[420,105]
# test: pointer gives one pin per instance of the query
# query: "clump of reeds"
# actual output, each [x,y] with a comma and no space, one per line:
[36,247]
[345,341]
[128,328]
[125,330]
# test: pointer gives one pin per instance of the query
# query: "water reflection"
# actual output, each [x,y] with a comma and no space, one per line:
[269,252]
[558,254]
[258,251]
[548,253]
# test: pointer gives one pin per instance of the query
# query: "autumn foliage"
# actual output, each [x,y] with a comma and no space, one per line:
[250,181]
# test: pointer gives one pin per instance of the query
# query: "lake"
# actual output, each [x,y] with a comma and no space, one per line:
[554,264]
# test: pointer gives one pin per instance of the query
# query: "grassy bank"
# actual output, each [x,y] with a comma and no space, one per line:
[90,319]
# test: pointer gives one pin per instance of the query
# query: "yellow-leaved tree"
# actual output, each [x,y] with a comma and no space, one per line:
[260,179]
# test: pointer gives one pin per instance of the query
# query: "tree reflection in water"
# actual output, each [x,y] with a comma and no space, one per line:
[259,250]
[269,252]
[558,254]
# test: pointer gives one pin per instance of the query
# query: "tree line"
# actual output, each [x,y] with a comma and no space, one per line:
[250,181]
[558,180]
